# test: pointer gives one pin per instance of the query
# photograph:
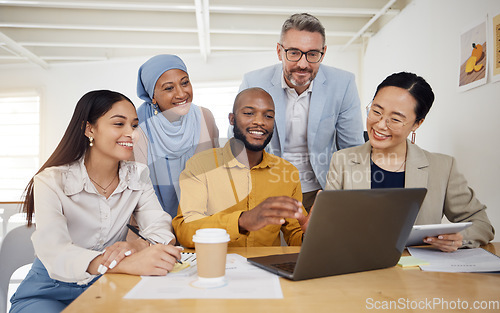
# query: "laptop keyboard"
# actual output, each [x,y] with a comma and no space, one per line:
[287,266]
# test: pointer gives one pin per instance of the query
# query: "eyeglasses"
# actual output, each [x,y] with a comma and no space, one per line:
[294,55]
[374,115]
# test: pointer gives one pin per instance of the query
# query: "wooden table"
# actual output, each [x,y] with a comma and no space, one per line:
[409,289]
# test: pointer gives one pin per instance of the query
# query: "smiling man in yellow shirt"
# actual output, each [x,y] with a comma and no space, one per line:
[241,188]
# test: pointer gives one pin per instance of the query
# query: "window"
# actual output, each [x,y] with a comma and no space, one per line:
[20,137]
[219,99]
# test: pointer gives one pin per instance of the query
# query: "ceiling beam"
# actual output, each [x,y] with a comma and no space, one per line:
[98,27]
[102,5]
[74,58]
[107,45]
[273,32]
[21,51]
[180,7]
[370,22]
[203,23]
[206,20]
[317,11]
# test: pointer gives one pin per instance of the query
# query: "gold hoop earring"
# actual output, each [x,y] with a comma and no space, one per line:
[91,139]
[413,135]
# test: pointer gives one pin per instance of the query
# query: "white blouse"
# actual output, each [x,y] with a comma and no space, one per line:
[74,223]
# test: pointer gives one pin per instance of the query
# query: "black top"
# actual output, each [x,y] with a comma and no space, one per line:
[385,179]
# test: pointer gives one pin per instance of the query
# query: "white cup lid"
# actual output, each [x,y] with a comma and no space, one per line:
[211,235]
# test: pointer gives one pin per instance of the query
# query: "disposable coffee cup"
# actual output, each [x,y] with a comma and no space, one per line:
[211,250]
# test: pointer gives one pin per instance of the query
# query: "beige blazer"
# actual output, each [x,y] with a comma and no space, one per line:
[447,191]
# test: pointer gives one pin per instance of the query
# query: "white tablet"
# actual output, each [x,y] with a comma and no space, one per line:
[419,232]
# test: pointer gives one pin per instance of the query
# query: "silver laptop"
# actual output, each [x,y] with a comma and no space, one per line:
[351,231]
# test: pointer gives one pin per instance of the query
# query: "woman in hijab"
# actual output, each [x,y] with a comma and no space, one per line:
[173,128]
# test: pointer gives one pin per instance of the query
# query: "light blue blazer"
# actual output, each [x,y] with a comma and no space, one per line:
[334,120]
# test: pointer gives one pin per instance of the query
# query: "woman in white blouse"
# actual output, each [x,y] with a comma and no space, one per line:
[82,199]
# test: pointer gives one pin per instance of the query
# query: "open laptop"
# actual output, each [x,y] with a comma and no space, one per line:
[350,231]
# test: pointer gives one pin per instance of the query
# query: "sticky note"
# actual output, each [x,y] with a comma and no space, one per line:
[411,261]
[179,267]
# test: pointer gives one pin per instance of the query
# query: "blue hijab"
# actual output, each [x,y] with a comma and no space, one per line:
[170,144]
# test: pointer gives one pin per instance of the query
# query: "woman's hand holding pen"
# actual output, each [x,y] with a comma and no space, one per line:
[116,253]
[157,260]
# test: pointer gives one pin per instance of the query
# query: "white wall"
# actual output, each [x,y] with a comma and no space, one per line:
[424,39]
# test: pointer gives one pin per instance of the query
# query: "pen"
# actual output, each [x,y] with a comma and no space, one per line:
[136,231]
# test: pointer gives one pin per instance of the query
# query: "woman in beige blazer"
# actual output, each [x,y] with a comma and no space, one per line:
[390,160]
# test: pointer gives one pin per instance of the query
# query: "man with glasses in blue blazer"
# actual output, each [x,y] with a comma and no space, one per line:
[317,106]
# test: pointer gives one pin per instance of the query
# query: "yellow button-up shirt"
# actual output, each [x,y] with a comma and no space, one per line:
[216,189]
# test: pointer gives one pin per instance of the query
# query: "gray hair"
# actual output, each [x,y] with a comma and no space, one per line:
[303,21]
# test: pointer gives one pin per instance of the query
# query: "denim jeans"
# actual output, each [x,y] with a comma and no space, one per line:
[42,294]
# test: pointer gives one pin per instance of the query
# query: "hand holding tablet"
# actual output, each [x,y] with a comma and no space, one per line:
[419,232]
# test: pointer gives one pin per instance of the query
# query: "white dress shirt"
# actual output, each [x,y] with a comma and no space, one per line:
[295,149]
[74,223]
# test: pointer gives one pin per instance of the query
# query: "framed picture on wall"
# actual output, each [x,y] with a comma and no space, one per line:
[495,47]
[473,66]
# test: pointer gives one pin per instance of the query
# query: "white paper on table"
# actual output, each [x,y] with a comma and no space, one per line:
[244,281]
[462,260]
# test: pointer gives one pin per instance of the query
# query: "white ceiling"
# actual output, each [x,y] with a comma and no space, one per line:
[47,32]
